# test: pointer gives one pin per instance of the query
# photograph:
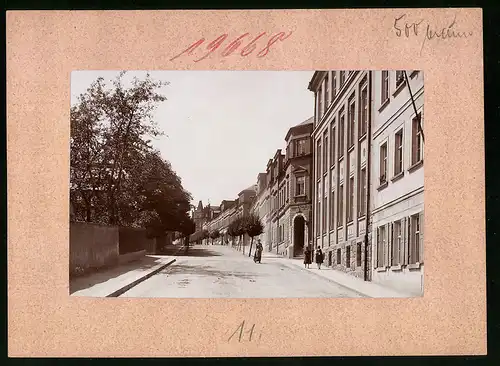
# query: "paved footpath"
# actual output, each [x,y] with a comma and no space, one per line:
[367,288]
[114,281]
[222,272]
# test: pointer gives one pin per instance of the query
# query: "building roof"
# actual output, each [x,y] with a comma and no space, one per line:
[308,121]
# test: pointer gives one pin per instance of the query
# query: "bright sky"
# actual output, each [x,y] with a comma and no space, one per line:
[221,127]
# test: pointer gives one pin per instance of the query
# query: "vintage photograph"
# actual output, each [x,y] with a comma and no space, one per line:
[247,184]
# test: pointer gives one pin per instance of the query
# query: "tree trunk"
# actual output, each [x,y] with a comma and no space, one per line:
[251,244]
[243,243]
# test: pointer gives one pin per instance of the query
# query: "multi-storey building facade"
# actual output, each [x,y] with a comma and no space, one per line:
[261,208]
[340,137]
[369,182]
[398,180]
[227,212]
[288,194]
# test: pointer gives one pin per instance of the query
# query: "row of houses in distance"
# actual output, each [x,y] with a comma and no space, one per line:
[350,181]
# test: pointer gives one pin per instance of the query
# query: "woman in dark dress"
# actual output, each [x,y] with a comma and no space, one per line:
[307,257]
[319,257]
[258,252]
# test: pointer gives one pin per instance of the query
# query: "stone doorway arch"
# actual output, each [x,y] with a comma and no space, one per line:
[299,234]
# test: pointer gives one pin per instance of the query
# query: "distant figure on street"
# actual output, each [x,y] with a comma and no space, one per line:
[319,257]
[258,252]
[307,257]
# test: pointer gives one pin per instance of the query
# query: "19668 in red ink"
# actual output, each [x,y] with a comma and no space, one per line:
[249,45]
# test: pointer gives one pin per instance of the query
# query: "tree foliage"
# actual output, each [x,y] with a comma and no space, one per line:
[116,176]
[253,228]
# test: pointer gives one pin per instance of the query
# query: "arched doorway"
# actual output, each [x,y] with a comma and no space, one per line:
[298,235]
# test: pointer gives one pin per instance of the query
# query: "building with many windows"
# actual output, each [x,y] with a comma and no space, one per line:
[289,186]
[341,141]
[368,174]
[398,180]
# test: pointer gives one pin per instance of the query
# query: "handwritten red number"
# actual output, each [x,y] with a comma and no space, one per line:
[280,36]
[190,49]
[212,46]
[233,45]
[251,46]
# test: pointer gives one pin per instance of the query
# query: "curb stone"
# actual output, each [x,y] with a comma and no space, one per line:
[124,289]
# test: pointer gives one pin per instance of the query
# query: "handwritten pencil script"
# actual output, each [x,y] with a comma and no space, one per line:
[406,28]
[242,335]
[248,45]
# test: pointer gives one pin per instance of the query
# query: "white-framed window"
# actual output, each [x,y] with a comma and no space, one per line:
[416,141]
[381,242]
[398,152]
[383,163]
[385,86]
[396,239]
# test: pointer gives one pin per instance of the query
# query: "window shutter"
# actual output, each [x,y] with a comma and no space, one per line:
[421,251]
[389,245]
[407,241]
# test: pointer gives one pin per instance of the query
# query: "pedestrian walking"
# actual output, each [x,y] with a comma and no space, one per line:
[307,257]
[257,257]
[319,257]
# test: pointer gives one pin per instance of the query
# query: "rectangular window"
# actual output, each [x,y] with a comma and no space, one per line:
[362,193]
[334,84]
[351,200]
[400,78]
[325,151]
[287,191]
[358,255]
[327,92]
[351,123]
[332,201]
[414,246]
[325,206]
[398,152]
[301,147]
[385,86]
[416,141]
[341,133]
[396,243]
[339,256]
[348,256]
[332,144]
[300,188]
[363,123]
[318,158]
[342,78]
[340,209]
[383,163]
[320,103]
[381,240]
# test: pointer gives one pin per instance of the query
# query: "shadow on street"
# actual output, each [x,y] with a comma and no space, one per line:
[192,252]
[105,274]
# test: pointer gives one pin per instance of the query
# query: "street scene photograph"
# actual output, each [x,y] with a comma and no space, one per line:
[247,184]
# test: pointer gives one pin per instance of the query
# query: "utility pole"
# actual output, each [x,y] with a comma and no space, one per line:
[414,106]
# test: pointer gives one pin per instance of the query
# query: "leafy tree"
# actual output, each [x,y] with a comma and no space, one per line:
[253,228]
[116,176]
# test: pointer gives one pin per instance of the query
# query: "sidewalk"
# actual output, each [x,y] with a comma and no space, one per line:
[115,281]
[365,288]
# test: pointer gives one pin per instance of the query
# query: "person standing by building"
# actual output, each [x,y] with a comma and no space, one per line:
[319,257]
[307,257]
[258,252]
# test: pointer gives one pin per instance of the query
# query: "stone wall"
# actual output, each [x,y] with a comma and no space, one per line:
[92,246]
